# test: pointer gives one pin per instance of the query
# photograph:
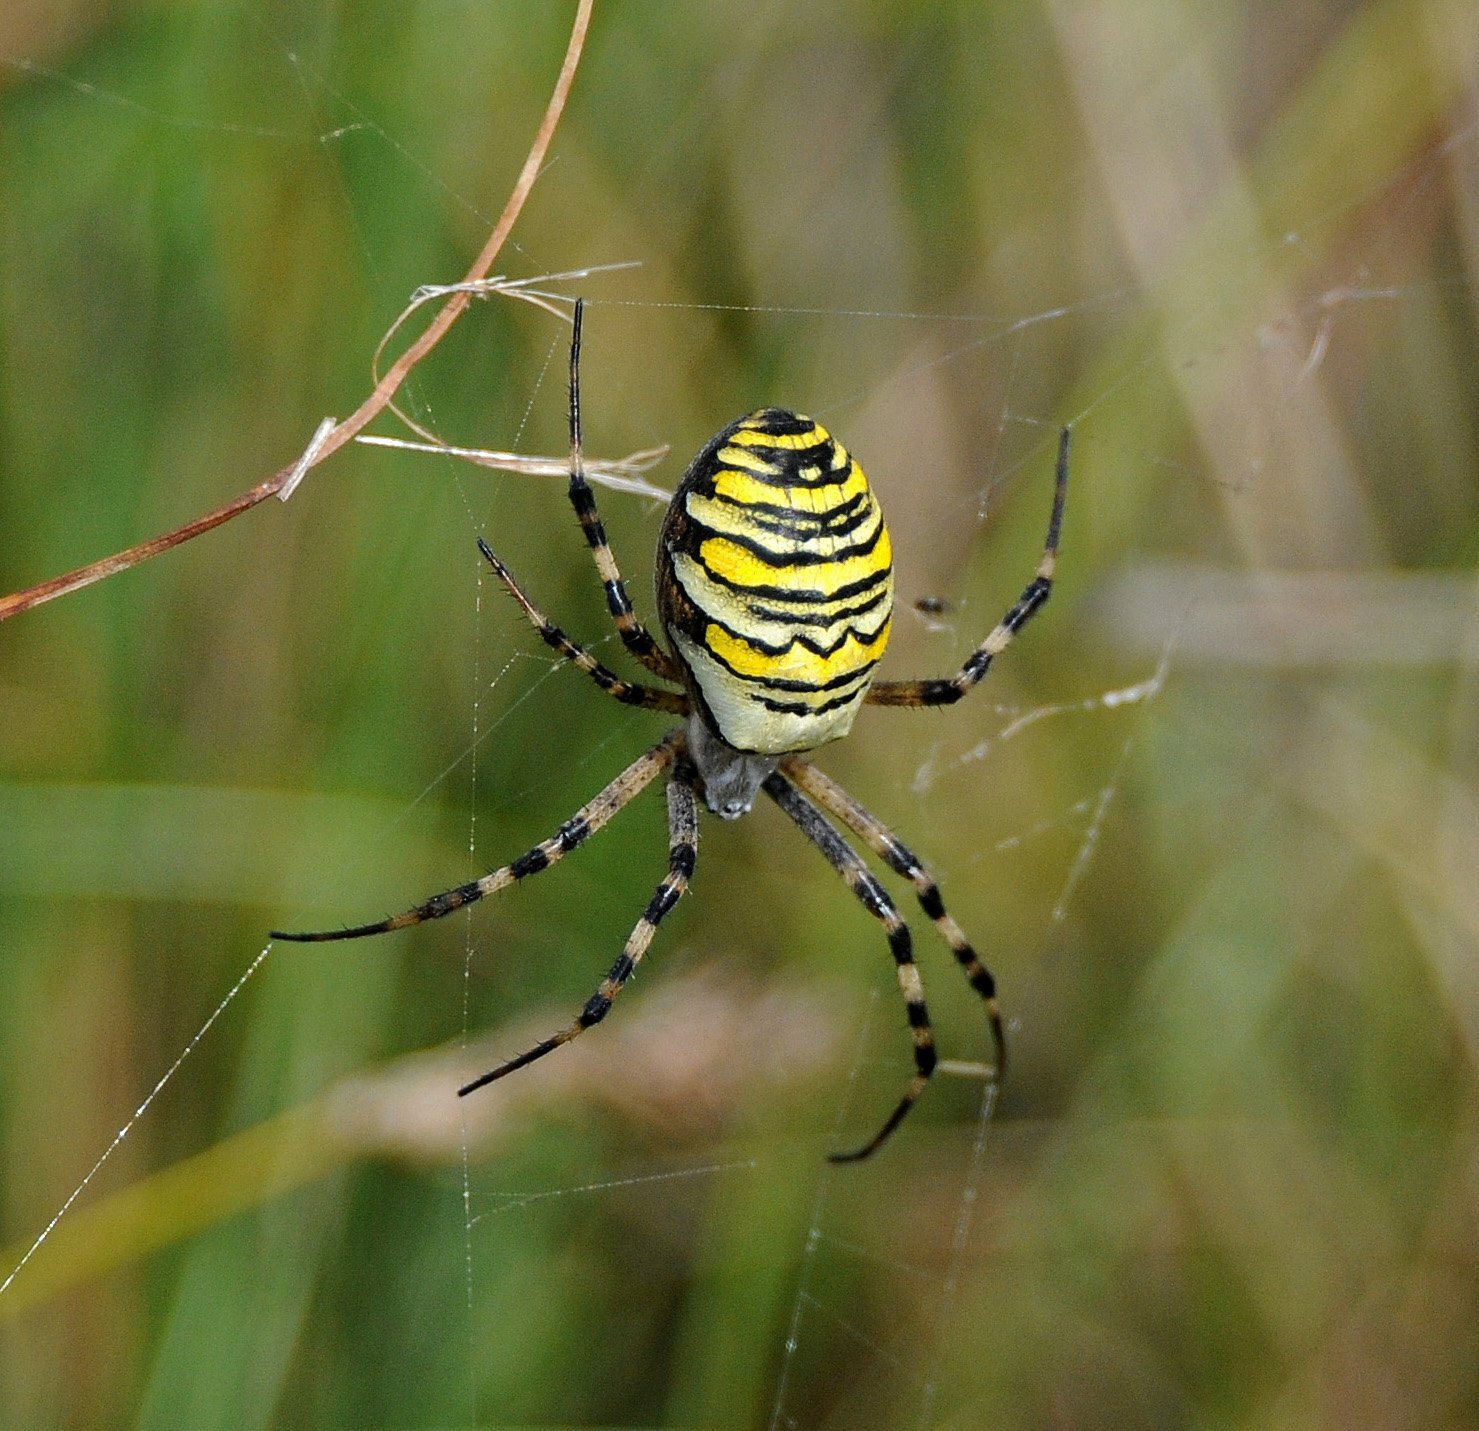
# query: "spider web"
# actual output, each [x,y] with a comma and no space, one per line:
[826,1355]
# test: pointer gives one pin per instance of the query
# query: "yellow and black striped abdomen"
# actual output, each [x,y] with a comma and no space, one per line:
[775,583]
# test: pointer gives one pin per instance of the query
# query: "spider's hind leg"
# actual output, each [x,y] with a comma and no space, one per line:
[846,861]
[682,856]
[887,846]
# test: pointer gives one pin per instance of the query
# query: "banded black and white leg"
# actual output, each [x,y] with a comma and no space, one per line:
[946,692]
[634,635]
[849,864]
[887,846]
[682,856]
[628,692]
[574,832]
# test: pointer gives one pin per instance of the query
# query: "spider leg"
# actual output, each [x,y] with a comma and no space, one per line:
[682,856]
[845,860]
[628,692]
[575,831]
[634,635]
[886,845]
[1035,593]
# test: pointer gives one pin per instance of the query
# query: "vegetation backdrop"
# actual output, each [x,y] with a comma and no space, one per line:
[1213,819]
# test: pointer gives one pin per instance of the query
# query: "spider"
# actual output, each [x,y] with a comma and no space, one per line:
[775,590]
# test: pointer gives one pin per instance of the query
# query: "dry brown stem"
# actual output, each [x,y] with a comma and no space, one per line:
[384,390]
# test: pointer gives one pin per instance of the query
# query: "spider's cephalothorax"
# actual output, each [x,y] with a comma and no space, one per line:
[775,587]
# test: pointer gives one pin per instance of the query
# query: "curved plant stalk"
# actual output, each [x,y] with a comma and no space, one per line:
[331,436]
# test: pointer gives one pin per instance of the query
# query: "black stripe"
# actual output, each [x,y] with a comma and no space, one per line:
[860,503]
[931,903]
[898,857]
[800,535]
[595,1010]
[803,527]
[820,618]
[807,598]
[875,901]
[683,860]
[590,523]
[977,666]
[1038,591]
[788,474]
[794,557]
[572,832]
[900,945]
[582,498]
[918,1016]
[441,904]
[765,647]
[799,688]
[797,708]
[530,863]
[854,678]
[790,459]
[776,422]
[617,599]
[666,897]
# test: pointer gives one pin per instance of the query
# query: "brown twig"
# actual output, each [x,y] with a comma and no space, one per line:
[383,391]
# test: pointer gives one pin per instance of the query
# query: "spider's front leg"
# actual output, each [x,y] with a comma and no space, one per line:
[634,635]
[1034,594]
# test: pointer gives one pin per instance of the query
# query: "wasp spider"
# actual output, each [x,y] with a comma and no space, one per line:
[775,590]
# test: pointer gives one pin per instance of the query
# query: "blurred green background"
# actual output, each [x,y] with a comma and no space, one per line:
[1233,1178]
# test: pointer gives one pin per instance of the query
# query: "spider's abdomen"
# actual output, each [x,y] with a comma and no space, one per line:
[775,583]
